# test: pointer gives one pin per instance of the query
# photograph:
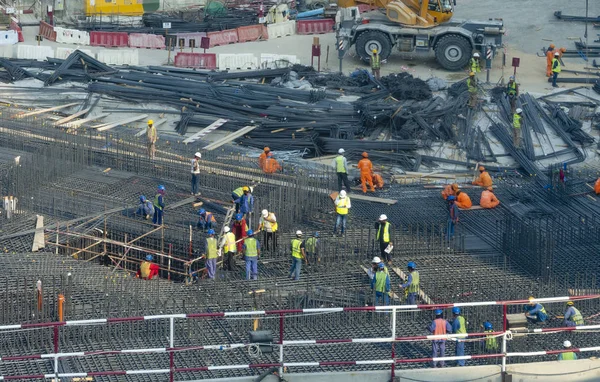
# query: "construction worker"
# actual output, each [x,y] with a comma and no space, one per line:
[298,248]
[474,64]
[472,88]
[366,169]
[450,189]
[228,245]
[377,180]
[239,229]
[271,164]
[438,327]
[147,269]
[569,355]
[462,200]
[597,187]
[268,224]
[488,199]
[412,285]
[375,63]
[262,158]
[491,342]
[535,311]
[380,283]
[384,237]
[210,249]
[251,252]
[459,326]
[341,168]
[152,137]
[484,179]
[342,206]
[555,68]
[573,316]
[549,58]
[236,195]
[196,173]
[145,208]
[452,216]
[246,201]
[159,205]
[206,220]
[311,247]
[512,92]
[517,117]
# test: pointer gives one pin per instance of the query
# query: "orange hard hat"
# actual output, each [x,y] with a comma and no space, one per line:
[267,149]
[490,188]
[481,168]
[455,186]
[365,154]
[552,46]
[563,49]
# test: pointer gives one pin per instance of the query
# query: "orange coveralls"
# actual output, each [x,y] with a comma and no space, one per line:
[262,159]
[484,180]
[366,168]
[597,187]
[271,166]
[463,200]
[488,199]
[378,180]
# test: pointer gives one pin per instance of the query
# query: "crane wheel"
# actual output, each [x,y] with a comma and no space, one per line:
[369,40]
[453,52]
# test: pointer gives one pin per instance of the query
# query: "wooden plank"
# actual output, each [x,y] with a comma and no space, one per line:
[71,117]
[229,138]
[180,203]
[426,299]
[76,124]
[474,208]
[208,129]
[37,112]
[122,122]
[366,198]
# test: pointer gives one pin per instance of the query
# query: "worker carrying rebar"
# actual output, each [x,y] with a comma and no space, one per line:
[342,206]
[206,220]
[597,187]
[572,315]
[488,199]
[412,284]
[517,120]
[549,58]
[472,88]
[229,248]
[268,224]
[463,200]
[555,68]
[452,217]
[311,247]
[375,63]
[151,137]
[271,165]
[459,326]
[450,189]
[534,311]
[484,179]
[145,208]
[512,92]
[377,180]
[251,254]
[210,249]
[490,341]
[384,237]
[381,285]
[366,169]
[262,158]
[246,201]
[569,355]
[240,230]
[159,205]
[147,269]
[474,64]
[298,249]
[439,326]
[196,173]
[341,168]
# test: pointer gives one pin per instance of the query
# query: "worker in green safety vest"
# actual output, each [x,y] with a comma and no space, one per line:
[341,168]
[298,248]
[569,355]
[412,285]
[472,88]
[251,252]
[474,65]
[512,92]
[491,342]
[573,316]
[555,68]
[375,63]
[517,117]
[312,249]
[459,326]
[211,254]
[381,284]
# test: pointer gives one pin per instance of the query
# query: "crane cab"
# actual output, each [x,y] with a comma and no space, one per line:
[419,14]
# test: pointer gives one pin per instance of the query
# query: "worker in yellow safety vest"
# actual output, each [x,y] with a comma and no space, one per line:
[298,248]
[341,168]
[517,117]
[375,63]
[229,248]
[555,68]
[342,205]
[384,237]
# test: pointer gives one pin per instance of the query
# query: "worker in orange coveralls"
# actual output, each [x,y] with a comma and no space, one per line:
[449,190]
[271,165]
[262,158]
[147,269]
[366,168]
[488,199]
[484,179]
[462,200]
[239,229]
[377,180]
[549,58]
[597,187]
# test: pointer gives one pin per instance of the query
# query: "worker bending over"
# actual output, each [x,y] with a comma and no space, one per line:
[438,327]
[262,158]
[569,355]
[145,208]
[377,180]
[246,201]
[381,285]
[235,197]
[512,92]
[412,285]
[298,248]
[462,200]
[271,164]
[535,311]
[517,117]
[488,199]
[366,169]
[147,269]
[340,164]
[484,179]
[384,237]
[206,220]
[228,245]
[342,206]
[491,342]
[251,252]
[268,224]
[159,205]
[210,249]
[450,189]
[573,316]
[549,58]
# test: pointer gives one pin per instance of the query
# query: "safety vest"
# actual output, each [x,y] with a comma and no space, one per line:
[568,356]
[145,269]
[238,191]
[463,325]
[380,281]
[386,232]
[471,85]
[557,68]
[311,245]
[440,326]
[414,286]
[151,134]
[577,318]
[517,121]
[251,247]
[229,242]
[296,250]
[156,204]
[342,208]
[375,62]
[475,65]
[512,88]
[211,248]
[339,164]
[491,343]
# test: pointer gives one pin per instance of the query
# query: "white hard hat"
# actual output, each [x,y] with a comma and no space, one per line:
[198,154]
[519,110]
[475,54]
[376,260]
[557,53]
[383,217]
[567,344]
[341,151]
[343,193]
[251,189]
[265,213]
[298,233]
[226,229]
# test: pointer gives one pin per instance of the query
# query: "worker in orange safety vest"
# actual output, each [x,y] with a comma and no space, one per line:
[271,165]
[450,189]
[549,58]
[262,158]
[597,187]
[488,199]
[366,168]
[463,200]
[377,180]
[439,326]
[484,179]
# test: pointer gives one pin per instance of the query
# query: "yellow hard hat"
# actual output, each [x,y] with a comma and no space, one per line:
[374,50]
[245,188]
[150,122]
[570,303]
[472,74]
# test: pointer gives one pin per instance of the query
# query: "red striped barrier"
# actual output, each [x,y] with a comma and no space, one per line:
[148,41]
[314,26]
[109,39]
[225,37]
[252,33]
[15,27]
[196,60]
[47,31]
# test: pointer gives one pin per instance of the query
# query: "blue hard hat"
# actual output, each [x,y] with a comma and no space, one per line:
[161,187]
[456,310]
[250,232]
[239,217]
[451,197]
[202,211]
[381,265]
[438,312]
[149,257]
[316,234]
[487,325]
[412,265]
[211,231]
[142,198]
